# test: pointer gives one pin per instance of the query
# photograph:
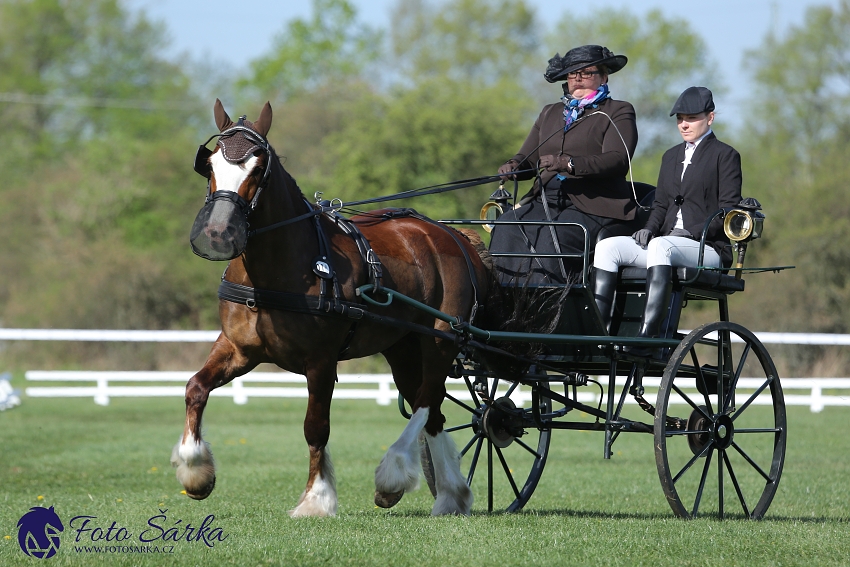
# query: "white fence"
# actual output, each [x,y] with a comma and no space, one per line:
[106,385]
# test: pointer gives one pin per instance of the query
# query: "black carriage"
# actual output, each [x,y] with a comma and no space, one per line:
[719,400]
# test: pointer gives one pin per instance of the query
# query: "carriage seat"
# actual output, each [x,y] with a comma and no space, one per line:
[706,279]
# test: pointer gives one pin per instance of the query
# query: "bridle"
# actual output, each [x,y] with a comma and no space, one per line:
[202,163]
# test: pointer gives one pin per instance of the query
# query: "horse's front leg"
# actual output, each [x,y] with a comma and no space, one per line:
[319,498]
[192,456]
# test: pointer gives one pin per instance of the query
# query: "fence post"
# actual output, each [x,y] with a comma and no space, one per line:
[240,397]
[384,397]
[817,398]
[101,396]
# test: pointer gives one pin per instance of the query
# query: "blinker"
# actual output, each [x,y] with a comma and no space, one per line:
[202,161]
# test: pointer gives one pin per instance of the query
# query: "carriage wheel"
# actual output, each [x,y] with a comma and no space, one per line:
[503,453]
[720,453]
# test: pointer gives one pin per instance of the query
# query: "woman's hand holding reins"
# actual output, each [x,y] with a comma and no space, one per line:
[507,168]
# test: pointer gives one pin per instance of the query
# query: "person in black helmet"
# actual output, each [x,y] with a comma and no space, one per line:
[697,177]
[582,147]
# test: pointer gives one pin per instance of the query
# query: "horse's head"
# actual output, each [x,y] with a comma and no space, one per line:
[237,170]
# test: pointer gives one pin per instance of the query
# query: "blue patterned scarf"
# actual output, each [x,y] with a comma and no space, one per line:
[574,107]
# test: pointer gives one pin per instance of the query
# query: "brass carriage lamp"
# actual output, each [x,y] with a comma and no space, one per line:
[742,224]
[495,207]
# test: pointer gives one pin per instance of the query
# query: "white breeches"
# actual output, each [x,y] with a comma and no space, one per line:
[612,253]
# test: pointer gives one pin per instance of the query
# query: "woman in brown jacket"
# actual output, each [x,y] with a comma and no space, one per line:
[583,145]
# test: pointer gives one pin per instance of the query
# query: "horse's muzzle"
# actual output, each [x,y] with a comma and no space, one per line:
[220,230]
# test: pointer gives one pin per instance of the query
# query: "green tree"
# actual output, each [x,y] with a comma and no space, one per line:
[331,47]
[463,40]
[798,148]
[97,222]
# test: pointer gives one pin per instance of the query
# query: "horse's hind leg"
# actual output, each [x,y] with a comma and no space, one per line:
[453,494]
[192,456]
[319,498]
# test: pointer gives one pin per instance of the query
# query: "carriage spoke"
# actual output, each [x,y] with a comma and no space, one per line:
[690,401]
[508,472]
[469,445]
[472,393]
[458,427]
[495,386]
[753,397]
[728,401]
[489,476]
[691,462]
[701,378]
[474,462]
[511,389]
[519,442]
[735,484]
[752,462]
[721,367]
[720,454]
[702,480]
[462,404]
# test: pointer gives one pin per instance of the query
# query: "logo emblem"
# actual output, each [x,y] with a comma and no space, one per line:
[38,532]
[322,269]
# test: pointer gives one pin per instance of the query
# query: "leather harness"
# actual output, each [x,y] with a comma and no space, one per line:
[334,305]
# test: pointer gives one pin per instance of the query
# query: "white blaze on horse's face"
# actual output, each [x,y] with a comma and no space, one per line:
[231,176]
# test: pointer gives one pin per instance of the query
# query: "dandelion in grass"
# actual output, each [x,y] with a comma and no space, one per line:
[7,537]
[243,441]
[40,497]
[119,500]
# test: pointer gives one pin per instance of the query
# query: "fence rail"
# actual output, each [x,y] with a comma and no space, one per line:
[382,391]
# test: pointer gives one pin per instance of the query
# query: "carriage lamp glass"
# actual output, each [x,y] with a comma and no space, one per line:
[489,212]
[741,224]
[495,207]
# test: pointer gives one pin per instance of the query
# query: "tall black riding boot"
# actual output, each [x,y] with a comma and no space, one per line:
[659,284]
[604,287]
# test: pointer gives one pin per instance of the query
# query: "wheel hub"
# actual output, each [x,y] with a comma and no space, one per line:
[501,424]
[718,431]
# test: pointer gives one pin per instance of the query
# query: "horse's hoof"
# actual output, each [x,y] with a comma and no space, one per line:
[203,492]
[388,499]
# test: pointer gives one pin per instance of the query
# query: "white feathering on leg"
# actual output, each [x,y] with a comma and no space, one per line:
[400,467]
[320,500]
[453,494]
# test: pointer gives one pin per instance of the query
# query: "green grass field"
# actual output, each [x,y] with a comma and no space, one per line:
[113,463]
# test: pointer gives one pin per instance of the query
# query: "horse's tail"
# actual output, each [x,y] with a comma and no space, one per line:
[516,307]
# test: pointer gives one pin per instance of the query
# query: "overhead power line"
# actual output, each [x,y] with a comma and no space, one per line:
[101,102]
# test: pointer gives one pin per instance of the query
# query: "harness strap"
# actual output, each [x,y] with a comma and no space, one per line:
[309,304]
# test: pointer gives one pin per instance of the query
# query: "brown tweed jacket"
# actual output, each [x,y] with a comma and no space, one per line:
[600,156]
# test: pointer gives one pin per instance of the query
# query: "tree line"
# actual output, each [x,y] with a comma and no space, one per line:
[98,192]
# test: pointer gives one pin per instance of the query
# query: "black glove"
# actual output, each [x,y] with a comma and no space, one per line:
[642,237]
[681,232]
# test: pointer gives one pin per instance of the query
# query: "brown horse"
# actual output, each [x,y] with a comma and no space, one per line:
[420,259]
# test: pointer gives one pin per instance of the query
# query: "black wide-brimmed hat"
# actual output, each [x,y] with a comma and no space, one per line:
[581,57]
[694,100]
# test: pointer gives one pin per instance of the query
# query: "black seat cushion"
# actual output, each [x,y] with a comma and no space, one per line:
[709,279]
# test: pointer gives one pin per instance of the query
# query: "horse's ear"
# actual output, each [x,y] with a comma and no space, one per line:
[222,120]
[264,122]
